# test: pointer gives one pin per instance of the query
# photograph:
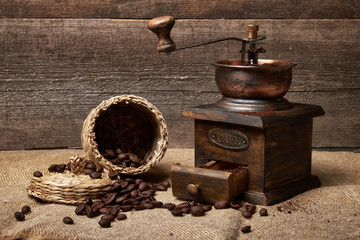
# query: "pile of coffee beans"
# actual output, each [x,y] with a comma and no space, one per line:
[126,195]
[20,216]
[119,158]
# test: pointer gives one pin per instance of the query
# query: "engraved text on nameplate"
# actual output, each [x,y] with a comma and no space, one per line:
[229,138]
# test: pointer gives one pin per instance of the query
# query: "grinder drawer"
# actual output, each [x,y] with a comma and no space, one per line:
[214,181]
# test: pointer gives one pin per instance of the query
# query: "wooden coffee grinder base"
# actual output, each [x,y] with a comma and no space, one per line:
[275,146]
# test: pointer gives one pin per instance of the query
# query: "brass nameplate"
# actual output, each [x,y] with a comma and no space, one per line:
[229,138]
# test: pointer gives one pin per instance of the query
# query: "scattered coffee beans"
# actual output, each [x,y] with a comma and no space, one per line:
[263,212]
[246,229]
[25,209]
[68,220]
[37,174]
[19,216]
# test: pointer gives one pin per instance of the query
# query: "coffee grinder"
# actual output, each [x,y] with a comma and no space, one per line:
[252,143]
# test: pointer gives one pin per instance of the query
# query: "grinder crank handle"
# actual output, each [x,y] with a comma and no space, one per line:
[162,26]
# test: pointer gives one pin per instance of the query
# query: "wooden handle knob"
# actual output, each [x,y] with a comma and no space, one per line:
[192,189]
[162,26]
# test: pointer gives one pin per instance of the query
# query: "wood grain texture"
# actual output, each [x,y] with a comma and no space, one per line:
[54,71]
[294,9]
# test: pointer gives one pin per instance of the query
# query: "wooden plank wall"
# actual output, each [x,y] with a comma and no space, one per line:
[61,58]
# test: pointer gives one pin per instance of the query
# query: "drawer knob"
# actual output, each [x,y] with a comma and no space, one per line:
[192,189]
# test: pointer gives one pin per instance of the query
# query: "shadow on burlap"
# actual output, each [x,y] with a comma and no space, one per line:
[329,212]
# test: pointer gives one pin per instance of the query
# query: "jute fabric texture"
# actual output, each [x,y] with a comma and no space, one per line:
[329,212]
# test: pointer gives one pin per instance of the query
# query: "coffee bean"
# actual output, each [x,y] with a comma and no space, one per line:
[87,171]
[88,211]
[60,168]
[114,210]
[185,210]
[246,229]
[105,223]
[143,186]
[124,184]
[157,204]
[221,204]
[121,216]
[116,161]
[139,207]
[52,168]
[177,212]
[236,204]
[37,174]
[252,209]
[110,198]
[129,201]
[126,208]
[68,220]
[207,208]
[130,180]
[121,199]
[104,210]
[134,158]
[115,187]
[161,187]
[80,210]
[122,156]
[246,214]
[97,206]
[138,181]
[142,162]
[19,216]
[131,187]
[113,175]
[134,193]
[149,205]
[109,153]
[99,169]
[118,151]
[108,217]
[25,209]
[263,212]
[166,183]
[95,175]
[169,206]
[197,211]
[182,205]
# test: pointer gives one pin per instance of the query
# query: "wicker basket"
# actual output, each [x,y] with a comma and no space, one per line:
[127,122]
[70,187]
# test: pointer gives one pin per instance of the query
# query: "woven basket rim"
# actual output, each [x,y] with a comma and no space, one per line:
[90,145]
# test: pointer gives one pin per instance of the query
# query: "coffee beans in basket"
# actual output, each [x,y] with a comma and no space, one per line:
[120,158]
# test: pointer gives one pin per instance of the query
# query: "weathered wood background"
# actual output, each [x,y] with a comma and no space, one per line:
[61,58]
